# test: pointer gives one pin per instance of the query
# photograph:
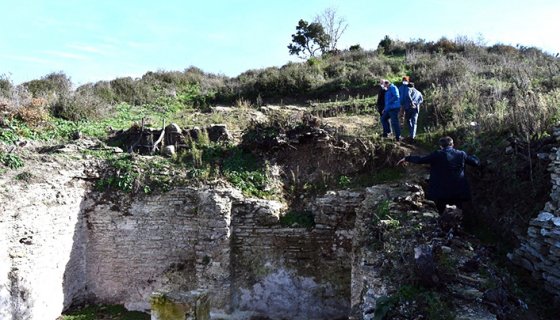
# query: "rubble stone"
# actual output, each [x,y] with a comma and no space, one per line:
[538,252]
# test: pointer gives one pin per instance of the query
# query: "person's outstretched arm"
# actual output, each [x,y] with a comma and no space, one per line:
[418,159]
[472,160]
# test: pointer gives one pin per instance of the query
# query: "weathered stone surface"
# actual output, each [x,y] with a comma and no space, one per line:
[42,242]
[66,243]
[218,132]
[293,273]
[425,265]
[539,252]
[283,294]
[177,305]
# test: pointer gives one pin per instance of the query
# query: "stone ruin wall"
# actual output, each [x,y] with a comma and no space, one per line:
[235,248]
[295,273]
[540,250]
[178,240]
[42,244]
[62,244]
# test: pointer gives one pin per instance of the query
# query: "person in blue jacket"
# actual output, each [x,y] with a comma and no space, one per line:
[391,111]
[415,99]
[404,98]
[448,184]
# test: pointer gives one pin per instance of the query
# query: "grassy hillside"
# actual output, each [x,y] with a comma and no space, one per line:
[486,97]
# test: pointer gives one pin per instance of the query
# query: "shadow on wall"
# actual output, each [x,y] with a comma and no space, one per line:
[42,244]
[21,302]
[74,279]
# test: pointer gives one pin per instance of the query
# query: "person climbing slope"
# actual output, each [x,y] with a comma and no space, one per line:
[448,184]
[411,112]
[391,111]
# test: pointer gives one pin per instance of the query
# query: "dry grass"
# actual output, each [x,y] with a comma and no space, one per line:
[359,126]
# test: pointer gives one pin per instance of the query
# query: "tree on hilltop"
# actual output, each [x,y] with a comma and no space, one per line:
[333,25]
[308,39]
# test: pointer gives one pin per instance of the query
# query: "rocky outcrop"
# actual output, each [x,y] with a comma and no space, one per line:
[409,263]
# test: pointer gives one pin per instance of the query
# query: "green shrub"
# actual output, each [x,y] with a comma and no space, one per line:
[6,86]
[122,176]
[56,83]
[11,160]
[115,312]
[344,181]
[303,219]
[82,104]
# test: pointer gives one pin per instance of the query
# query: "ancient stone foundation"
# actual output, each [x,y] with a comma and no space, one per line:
[63,244]
[540,252]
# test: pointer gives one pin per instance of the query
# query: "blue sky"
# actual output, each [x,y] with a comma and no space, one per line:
[103,39]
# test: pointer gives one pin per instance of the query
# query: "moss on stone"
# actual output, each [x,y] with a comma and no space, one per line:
[165,309]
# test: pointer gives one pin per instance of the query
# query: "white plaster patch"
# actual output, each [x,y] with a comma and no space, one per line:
[283,294]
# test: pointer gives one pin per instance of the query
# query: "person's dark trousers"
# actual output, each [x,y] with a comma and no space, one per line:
[394,116]
[440,204]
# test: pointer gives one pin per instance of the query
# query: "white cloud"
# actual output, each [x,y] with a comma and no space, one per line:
[66,55]
[99,49]
[28,59]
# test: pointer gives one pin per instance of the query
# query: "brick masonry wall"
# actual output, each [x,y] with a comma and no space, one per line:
[178,240]
[215,239]
[294,273]
[62,243]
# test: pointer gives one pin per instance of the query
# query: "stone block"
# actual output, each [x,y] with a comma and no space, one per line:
[179,305]
[542,219]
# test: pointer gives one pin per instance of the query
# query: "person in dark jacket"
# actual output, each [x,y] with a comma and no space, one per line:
[448,184]
[391,111]
[381,98]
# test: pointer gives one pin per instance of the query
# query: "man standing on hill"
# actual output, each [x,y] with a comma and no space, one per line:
[391,110]
[403,93]
[411,112]
[448,184]
[381,98]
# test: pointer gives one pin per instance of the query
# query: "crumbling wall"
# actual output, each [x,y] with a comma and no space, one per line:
[540,250]
[61,243]
[42,265]
[235,248]
[367,282]
[178,240]
[294,273]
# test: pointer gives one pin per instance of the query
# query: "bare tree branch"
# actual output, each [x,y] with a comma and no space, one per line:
[334,26]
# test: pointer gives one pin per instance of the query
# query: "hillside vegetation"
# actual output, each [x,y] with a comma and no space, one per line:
[486,97]
[499,87]
[499,102]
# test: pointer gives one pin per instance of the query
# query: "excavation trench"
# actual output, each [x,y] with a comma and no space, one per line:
[67,247]
[64,244]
